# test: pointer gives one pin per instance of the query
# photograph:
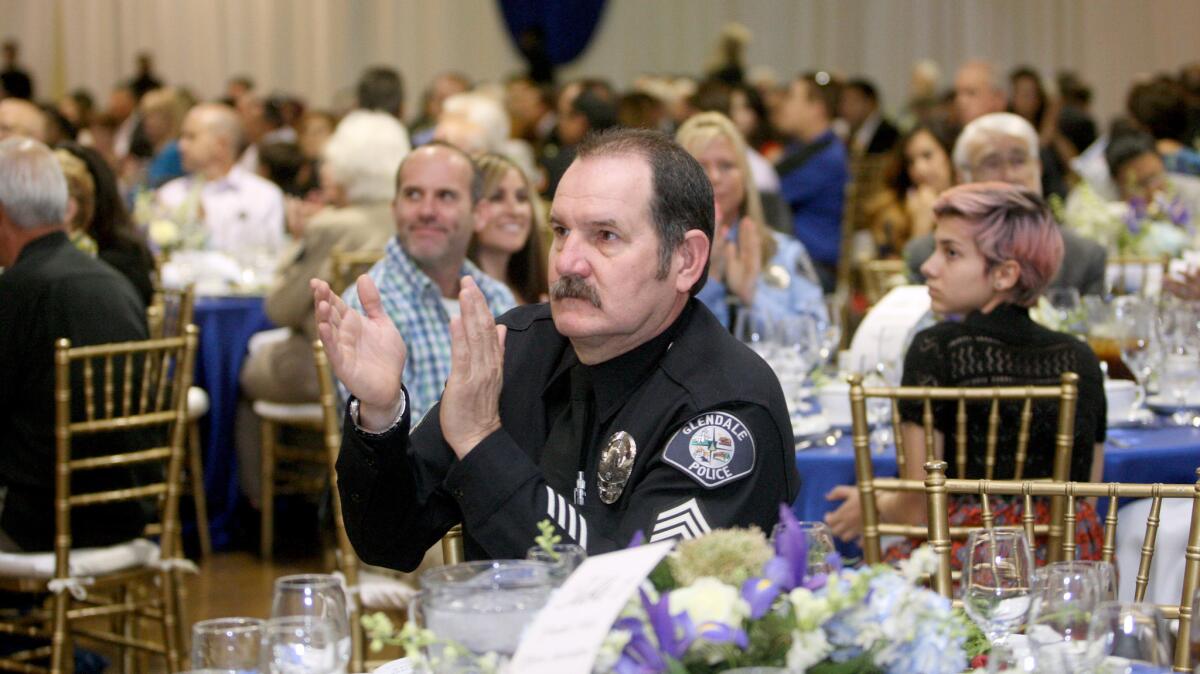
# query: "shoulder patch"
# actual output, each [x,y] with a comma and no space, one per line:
[713,448]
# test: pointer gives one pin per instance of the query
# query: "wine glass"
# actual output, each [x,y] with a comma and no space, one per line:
[1059,616]
[233,644]
[1106,578]
[1136,321]
[819,540]
[301,644]
[999,574]
[1066,307]
[565,559]
[321,597]
[1135,632]
[1180,360]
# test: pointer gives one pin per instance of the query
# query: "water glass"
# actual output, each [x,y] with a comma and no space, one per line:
[301,645]
[1107,579]
[1135,632]
[566,558]
[999,574]
[1067,308]
[1059,618]
[320,596]
[228,644]
[483,606]
[818,538]
[1012,657]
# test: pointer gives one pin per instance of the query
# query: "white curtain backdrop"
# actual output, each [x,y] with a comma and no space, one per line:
[316,48]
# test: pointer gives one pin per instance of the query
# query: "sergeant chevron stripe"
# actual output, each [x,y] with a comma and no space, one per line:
[684,521]
[564,514]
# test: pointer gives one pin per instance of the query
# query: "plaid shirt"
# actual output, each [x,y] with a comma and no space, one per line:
[414,303]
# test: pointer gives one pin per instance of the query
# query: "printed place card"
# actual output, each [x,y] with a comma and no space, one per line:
[567,633]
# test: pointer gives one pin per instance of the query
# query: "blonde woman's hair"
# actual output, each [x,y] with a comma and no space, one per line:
[80,187]
[695,135]
[169,101]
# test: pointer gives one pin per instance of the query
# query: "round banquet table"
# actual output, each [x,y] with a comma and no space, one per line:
[1166,454]
[226,324]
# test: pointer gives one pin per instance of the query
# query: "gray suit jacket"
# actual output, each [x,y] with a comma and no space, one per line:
[1082,266]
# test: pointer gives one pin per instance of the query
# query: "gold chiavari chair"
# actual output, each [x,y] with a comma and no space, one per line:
[1137,275]
[348,265]
[880,276]
[367,589]
[910,480]
[125,387]
[170,310]
[939,489]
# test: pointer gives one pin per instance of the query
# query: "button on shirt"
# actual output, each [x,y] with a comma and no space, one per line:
[242,212]
[414,303]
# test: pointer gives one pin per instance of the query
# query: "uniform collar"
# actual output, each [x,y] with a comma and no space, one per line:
[614,379]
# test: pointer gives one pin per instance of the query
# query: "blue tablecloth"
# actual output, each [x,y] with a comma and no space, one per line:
[1168,455]
[226,324]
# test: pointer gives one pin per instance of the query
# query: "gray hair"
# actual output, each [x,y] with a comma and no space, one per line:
[33,191]
[363,154]
[223,122]
[984,129]
[484,112]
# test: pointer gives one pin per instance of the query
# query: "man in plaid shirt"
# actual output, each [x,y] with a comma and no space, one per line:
[418,278]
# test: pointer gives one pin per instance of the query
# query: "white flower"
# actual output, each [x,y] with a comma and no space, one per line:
[610,650]
[811,611]
[808,648]
[923,562]
[163,232]
[709,600]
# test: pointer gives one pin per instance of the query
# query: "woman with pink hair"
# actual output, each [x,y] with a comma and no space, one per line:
[997,248]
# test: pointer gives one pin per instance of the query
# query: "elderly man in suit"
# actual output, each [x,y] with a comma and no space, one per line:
[1003,146]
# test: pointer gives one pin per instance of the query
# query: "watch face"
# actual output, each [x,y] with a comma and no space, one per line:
[616,464]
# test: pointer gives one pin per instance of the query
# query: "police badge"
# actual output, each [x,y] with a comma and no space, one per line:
[616,463]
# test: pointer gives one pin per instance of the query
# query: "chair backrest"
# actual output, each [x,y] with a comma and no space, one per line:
[125,387]
[866,177]
[880,276]
[1128,275]
[938,489]
[348,265]
[170,310]
[1065,393]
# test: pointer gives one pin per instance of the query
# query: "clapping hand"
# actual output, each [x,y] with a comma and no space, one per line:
[743,260]
[366,351]
[470,406]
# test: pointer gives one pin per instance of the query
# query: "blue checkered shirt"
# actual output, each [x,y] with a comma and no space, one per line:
[414,303]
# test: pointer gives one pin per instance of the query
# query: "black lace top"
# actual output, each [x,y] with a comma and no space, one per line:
[1006,348]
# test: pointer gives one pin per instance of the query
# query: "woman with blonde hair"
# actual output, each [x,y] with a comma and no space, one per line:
[162,112]
[509,224]
[751,268]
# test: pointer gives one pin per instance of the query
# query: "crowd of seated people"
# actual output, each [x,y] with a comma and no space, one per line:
[268,172]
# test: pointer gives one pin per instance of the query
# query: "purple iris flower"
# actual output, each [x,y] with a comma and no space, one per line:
[760,593]
[675,633]
[720,633]
[638,539]
[789,567]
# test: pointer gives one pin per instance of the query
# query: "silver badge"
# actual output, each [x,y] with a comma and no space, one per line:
[616,463]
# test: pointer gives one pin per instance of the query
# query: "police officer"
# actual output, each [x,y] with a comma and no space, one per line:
[622,406]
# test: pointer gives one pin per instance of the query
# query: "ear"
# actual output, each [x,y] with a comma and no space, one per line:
[1005,275]
[690,258]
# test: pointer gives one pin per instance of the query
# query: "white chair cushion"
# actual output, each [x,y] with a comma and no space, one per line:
[297,413]
[84,561]
[381,591]
[197,403]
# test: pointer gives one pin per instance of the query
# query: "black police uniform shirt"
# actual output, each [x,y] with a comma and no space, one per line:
[707,416]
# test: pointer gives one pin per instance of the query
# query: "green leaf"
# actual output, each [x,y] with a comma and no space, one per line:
[662,578]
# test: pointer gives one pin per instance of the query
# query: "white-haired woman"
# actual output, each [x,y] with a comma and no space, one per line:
[358,174]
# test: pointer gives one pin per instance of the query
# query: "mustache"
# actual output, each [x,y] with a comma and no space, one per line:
[574,287]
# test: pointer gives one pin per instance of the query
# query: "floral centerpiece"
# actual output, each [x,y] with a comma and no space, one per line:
[1160,225]
[732,599]
[171,229]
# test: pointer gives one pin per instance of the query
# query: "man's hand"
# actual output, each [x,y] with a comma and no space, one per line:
[470,407]
[366,352]
[846,521]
